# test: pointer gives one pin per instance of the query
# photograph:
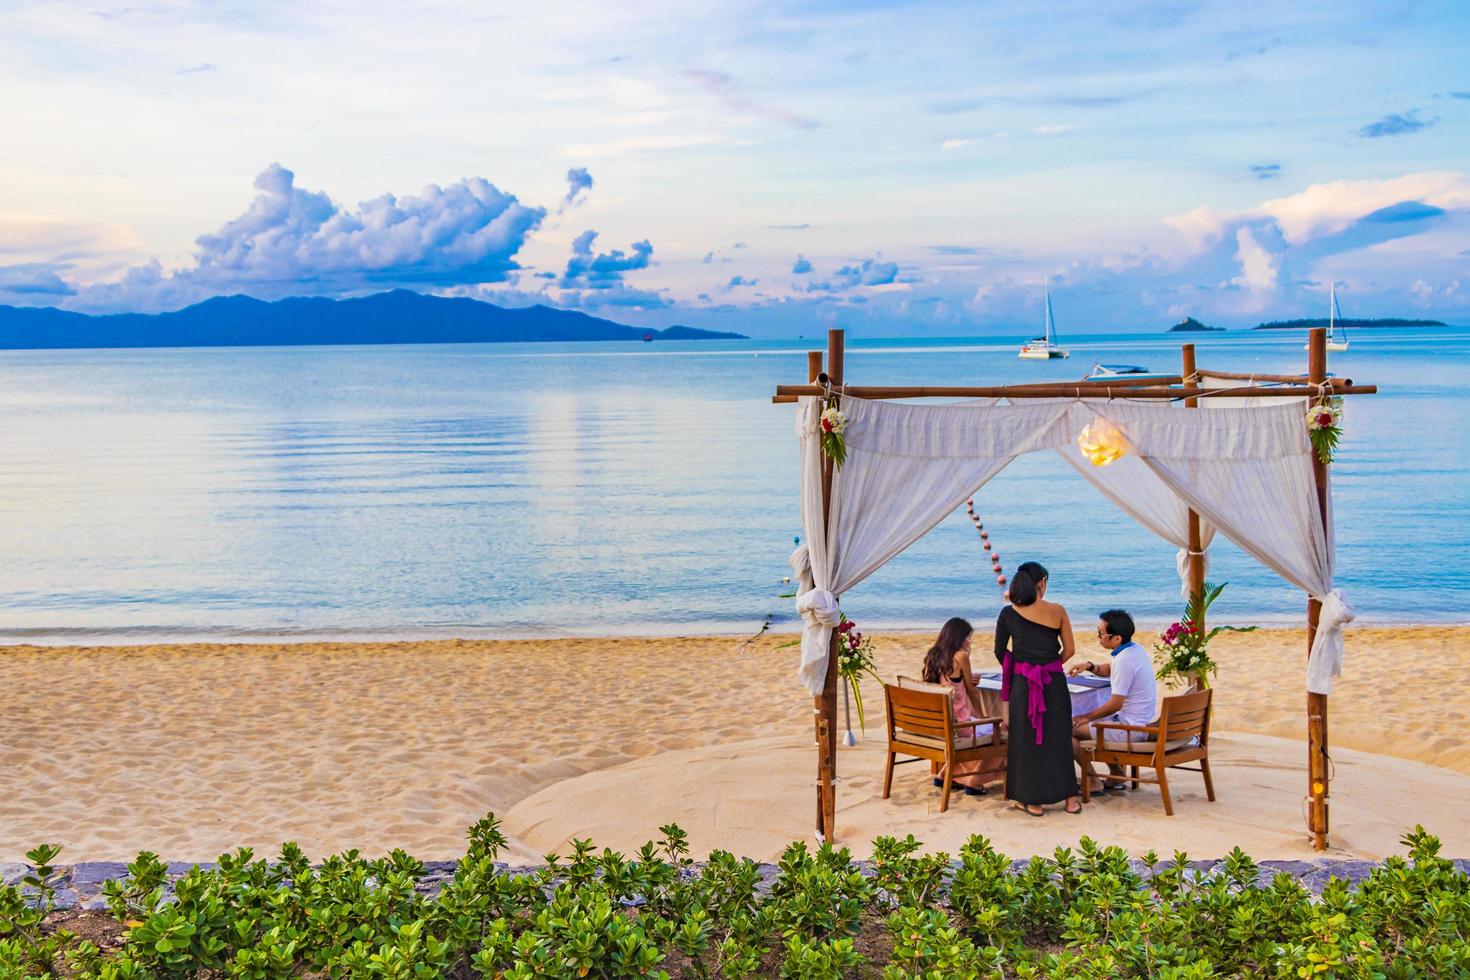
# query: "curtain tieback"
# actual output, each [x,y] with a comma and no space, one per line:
[819,613]
[1325,660]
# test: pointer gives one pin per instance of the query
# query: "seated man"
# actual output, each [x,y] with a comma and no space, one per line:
[1135,692]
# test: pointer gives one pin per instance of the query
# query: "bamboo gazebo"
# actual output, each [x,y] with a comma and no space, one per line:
[1243,470]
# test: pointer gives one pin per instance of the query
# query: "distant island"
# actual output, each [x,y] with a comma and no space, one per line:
[1189,323]
[1321,321]
[397,317]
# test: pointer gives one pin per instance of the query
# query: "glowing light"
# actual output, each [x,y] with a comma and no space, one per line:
[1102,442]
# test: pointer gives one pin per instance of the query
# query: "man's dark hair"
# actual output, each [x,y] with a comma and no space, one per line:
[1118,623]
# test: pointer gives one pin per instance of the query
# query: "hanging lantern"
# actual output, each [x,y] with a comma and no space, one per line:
[1102,442]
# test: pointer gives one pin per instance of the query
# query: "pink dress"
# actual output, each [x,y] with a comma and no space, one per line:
[972,774]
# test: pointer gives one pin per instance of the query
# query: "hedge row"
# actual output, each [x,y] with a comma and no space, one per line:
[1083,913]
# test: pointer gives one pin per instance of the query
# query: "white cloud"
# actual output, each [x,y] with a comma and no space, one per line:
[1323,209]
[955,144]
[1257,266]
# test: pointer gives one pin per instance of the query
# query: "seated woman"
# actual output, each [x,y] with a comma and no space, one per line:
[948,662]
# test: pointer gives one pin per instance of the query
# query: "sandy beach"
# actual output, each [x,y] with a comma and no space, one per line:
[191,750]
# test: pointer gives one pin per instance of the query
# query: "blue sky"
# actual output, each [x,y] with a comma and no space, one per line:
[897,168]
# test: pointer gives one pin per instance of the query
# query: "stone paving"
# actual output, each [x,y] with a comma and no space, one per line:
[80,885]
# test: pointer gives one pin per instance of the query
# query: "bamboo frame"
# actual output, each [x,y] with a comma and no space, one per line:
[1078,389]
[1257,386]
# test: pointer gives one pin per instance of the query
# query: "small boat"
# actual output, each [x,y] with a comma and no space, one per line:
[648,338]
[1044,348]
[1103,372]
[1336,340]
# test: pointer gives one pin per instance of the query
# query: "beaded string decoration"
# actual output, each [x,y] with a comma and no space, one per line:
[1000,578]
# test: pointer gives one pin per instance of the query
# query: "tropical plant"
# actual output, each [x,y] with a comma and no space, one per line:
[1184,647]
[1086,912]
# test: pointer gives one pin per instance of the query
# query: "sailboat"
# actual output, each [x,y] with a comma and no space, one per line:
[1044,348]
[1336,340]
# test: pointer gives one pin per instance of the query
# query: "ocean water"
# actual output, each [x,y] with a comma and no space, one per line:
[585,489]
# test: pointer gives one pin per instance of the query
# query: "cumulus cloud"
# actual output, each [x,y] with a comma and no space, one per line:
[33,283]
[801,266]
[578,181]
[1332,207]
[292,241]
[603,270]
[868,272]
[1257,266]
[1396,124]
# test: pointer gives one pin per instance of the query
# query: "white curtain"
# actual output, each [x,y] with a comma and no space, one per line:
[1141,494]
[1248,472]
[907,467]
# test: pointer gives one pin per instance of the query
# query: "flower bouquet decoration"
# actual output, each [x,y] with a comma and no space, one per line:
[1184,647]
[854,662]
[1324,427]
[832,424]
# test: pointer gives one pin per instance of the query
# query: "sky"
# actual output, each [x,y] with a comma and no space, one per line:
[900,169]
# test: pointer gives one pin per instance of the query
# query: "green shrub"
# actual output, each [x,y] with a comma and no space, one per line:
[1085,913]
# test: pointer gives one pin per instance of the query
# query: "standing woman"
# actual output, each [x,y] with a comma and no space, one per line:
[1033,639]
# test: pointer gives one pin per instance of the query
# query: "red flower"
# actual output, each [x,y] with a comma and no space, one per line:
[1324,419]
[826,425]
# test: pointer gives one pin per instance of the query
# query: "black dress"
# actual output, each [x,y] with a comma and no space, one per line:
[1045,773]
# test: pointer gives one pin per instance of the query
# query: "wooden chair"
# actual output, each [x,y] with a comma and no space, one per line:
[921,724]
[1182,734]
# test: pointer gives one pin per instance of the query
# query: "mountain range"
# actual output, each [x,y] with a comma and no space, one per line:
[397,317]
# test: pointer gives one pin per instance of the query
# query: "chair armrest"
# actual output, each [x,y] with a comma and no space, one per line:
[1100,728]
[1144,729]
[994,723]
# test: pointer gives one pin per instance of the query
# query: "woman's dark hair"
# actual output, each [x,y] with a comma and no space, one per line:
[939,661]
[1028,576]
[1119,624]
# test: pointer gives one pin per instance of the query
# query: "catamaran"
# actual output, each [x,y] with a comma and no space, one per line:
[1335,340]
[1045,347]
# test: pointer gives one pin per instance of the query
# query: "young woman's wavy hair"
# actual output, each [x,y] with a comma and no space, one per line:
[939,661]
[1025,583]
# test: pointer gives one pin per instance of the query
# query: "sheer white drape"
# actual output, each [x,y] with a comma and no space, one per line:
[1245,470]
[1248,471]
[907,467]
[1141,494]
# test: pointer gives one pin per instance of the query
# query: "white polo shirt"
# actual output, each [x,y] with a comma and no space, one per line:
[1133,677]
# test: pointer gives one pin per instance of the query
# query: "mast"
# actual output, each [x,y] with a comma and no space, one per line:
[1331,308]
[1050,327]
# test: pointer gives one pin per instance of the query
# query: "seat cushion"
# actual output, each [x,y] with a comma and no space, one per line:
[1112,745]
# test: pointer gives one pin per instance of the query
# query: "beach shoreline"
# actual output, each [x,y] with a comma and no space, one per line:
[189,750]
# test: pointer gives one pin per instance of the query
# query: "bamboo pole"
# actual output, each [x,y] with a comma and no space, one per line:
[1068,391]
[1317,762]
[1196,549]
[826,703]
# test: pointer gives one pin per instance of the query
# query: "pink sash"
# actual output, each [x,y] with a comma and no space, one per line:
[1037,677]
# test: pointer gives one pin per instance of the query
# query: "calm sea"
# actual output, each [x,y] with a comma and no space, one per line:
[544,489]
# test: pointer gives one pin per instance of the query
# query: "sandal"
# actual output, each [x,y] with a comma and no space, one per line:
[1068,807]
[1024,808]
[1115,787]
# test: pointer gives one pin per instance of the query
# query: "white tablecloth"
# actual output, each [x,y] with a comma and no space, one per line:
[1084,698]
